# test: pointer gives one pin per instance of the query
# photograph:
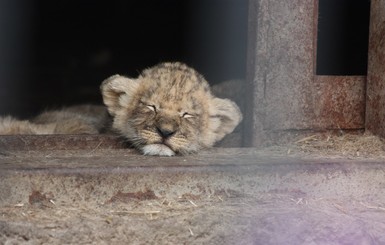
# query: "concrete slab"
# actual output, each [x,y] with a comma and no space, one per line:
[227,196]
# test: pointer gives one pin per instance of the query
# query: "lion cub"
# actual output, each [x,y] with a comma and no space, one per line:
[169,109]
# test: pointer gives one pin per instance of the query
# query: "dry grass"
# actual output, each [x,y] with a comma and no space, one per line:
[344,144]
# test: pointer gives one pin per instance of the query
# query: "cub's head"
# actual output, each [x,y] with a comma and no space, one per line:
[168,110]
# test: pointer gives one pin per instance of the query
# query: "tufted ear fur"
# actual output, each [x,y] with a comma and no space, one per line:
[224,117]
[117,92]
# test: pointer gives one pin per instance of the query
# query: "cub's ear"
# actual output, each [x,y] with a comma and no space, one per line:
[224,117]
[117,92]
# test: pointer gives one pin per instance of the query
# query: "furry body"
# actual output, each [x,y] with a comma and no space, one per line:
[169,109]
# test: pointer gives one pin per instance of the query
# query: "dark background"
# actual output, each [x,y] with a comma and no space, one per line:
[343,36]
[57,53]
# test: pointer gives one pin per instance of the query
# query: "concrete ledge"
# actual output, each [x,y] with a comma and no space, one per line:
[254,197]
[243,170]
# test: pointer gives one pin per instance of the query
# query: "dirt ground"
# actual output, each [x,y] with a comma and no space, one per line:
[282,212]
[271,219]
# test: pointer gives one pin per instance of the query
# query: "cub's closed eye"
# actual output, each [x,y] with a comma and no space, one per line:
[186,115]
[152,108]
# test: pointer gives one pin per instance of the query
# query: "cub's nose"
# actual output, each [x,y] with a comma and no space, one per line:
[165,133]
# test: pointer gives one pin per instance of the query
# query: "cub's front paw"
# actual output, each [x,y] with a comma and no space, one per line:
[157,150]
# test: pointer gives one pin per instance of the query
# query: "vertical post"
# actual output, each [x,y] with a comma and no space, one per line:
[375,97]
[279,69]
[284,96]
[252,127]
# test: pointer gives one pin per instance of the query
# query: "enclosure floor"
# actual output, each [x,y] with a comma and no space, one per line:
[220,196]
